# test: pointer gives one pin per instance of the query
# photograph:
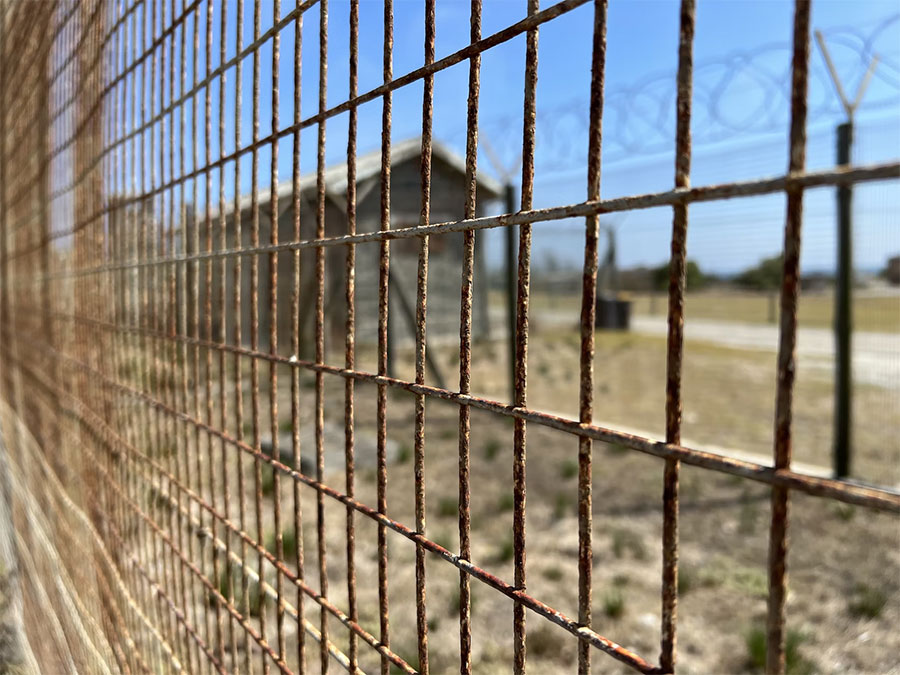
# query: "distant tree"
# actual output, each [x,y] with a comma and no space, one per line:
[765,276]
[696,279]
[891,271]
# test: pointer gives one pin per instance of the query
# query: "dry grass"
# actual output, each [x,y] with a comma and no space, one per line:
[724,528]
[723,553]
[724,532]
[729,397]
[816,308]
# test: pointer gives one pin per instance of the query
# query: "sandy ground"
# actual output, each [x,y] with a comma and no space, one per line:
[838,556]
[844,563]
[876,356]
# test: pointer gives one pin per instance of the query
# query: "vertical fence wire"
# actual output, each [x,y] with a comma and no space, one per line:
[384,275]
[295,340]
[421,332]
[675,338]
[125,352]
[790,287]
[320,323]
[588,313]
[520,367]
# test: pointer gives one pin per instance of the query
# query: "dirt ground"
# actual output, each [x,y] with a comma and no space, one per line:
[844,562]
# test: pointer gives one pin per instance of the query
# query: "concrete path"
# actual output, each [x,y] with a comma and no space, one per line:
[876,356]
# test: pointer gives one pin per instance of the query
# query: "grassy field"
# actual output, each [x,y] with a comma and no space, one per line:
[877,313]
[729,396]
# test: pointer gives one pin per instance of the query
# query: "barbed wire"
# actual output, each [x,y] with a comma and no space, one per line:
[739,95]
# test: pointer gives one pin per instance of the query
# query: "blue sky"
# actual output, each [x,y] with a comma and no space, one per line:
[740,120]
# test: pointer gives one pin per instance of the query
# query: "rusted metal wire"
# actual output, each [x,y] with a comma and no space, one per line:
[320,324]
[675,338]
[350,334]
[465,346]
[790,289]
[124,351]
[520,368]
[295,349]
[384,275]
[588,312]
[421,331]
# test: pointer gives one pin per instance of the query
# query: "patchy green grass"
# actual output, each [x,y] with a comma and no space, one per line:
[454,605]
[748,516]
[795,663]
[447,507]
[506,502]
[867,602]
[554,573]
[404,454]
[491,449]
[563,506]
[444,540]
[749,580]
[614,604]
[568,469]
[268,480]
[505,552]
[844,512]
[616,448]
[255,596]
[546,642]
[687,579]
[288,543]
[409,652]
[626,541]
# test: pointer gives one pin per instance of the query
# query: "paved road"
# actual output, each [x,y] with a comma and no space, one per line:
[876,356]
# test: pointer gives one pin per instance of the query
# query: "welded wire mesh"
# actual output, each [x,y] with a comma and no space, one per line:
[142,415]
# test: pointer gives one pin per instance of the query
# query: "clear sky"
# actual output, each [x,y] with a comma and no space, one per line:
[740,122]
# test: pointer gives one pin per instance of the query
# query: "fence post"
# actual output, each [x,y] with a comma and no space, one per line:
[843,308]
[511,274]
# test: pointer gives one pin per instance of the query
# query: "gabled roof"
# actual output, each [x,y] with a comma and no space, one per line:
[369,166]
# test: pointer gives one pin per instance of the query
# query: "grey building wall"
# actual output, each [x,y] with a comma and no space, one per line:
[444,278]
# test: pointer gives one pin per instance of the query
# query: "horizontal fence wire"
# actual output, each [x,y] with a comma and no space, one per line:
[143,277]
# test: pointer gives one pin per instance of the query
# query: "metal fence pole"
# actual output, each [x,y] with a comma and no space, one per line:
[843,312]
[510,207]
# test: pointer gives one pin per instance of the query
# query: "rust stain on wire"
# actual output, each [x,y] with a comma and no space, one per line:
[320,323]
[350,333]
[520,384]
[384,271]
[675,338]
[588,312]
[117,246]
[421,318]
[790,288]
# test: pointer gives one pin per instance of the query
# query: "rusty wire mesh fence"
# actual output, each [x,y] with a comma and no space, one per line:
[145,466]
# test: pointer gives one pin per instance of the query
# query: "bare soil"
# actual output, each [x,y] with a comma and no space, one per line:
[844,562]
